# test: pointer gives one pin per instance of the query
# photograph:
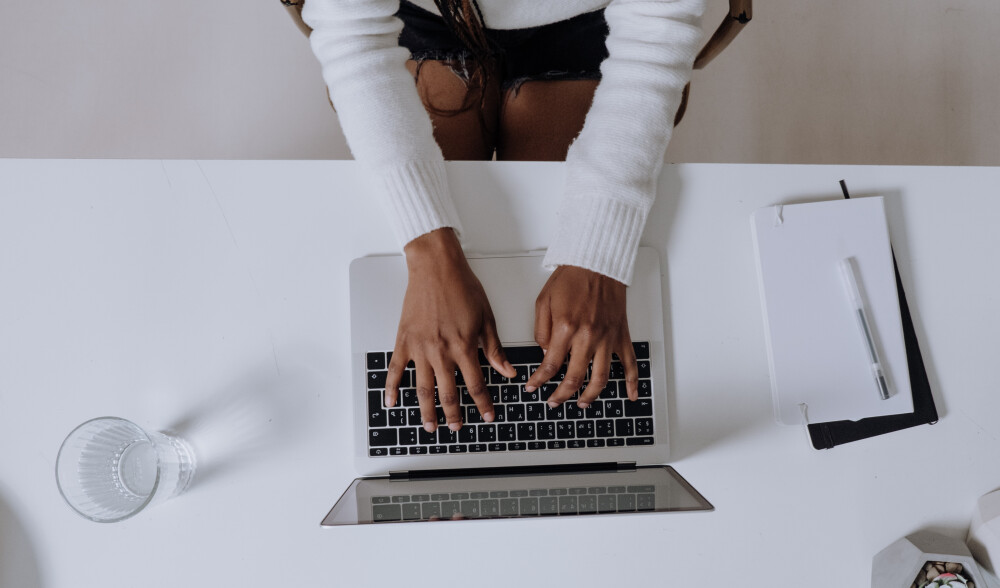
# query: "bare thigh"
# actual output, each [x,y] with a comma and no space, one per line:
[467,134]
[542,118]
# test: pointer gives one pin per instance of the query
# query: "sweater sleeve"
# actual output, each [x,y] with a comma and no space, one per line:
[614,164]
[380,112]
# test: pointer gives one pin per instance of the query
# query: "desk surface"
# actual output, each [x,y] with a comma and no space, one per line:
[212,296]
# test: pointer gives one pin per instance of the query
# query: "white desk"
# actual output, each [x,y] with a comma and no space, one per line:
[213,295]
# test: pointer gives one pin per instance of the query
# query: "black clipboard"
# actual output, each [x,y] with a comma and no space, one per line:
[831,434]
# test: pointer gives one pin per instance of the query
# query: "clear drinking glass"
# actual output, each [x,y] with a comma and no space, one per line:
[109,469]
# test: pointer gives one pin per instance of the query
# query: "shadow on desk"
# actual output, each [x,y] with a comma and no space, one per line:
[18,561]
[256,415]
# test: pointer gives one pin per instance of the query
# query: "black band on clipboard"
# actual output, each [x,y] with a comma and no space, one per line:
[829,435]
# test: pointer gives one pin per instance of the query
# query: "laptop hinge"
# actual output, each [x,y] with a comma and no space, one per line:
[610,466]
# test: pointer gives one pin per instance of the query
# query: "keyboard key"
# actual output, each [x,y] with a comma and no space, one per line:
[378,452]
[610,390]
[494,393]
[607,503]
[526,431]
[616,442]
[465,397]
[470,509]
[408,436]
[425,438]
[438,449]
[643,368]
[418,450]
[397,451]
[397,417]
[446,436]
[624,428]
[442,420]
[573,411]
[411,511]
[645,502]
[413,417]
[487,433]
[645,388]
[605,428]
[497,447]
[640,441]
[516,447]
[510,394]
[584,429]
[526,354]
[548,505]
[597,490]
[515,412]
[546,390]
[545,431]
[613,409]
[497,378]
[377,417]
[489,507]
[467,435]
[507,432]
[577,491]
[382,513]
[626,502]
[399,499]
[376,361]
[595,410]
[595,442]
[408,397]
[477,448]
[587,504]
[531,396]
[534,445]
[450,508]
[457,448]
[472,415]
[522,374]
[644,426]
[641,407]
[430,510]
[377,380]
[557,445]
[508,507]
[529,506]
[535,411]
[641,349]
[576,444]
[381,500]
[567,505]
[555,414]
[518,493]
[565,430]
[617,371]
[381,437]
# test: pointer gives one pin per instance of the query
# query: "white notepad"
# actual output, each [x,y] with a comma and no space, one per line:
[820,368]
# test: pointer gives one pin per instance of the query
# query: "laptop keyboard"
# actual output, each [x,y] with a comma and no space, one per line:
[513,503]
[523,421]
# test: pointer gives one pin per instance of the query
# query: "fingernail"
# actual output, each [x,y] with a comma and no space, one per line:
[387,398]
[488,417]
[553,404]
[530,388]
[454,426]
[429,426]
[582,404]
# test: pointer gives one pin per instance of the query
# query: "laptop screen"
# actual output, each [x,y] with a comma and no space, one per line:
[645,489]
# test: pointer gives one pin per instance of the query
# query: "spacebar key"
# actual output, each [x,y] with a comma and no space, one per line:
[522,355]
[381,437]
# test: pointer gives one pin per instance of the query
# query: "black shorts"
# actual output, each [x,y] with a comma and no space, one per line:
[572,49]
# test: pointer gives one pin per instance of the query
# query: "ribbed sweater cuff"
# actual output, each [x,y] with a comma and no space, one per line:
[416,199]
[598,234]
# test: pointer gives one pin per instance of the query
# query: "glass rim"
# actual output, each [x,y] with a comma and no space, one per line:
[137,509]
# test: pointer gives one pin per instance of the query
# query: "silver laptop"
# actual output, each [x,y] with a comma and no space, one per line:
[532,460]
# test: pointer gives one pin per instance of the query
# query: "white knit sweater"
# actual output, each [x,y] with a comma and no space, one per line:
[613,165]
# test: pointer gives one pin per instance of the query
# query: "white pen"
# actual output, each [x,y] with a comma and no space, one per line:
[864,325]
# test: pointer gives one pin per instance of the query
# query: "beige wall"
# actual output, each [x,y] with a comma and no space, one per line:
[893,81]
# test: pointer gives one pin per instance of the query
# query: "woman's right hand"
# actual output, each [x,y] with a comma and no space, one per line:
[446,317]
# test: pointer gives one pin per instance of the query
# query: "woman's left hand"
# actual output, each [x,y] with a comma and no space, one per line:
[581,312]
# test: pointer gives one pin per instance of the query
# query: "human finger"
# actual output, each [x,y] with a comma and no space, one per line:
[543,323]
[550,366]
[598,376]
[394,375]
[444,374]
[468,364]
[576,372]
[626,353]
[493,350]
[425,396]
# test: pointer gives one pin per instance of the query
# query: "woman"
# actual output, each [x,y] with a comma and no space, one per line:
[518,78]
